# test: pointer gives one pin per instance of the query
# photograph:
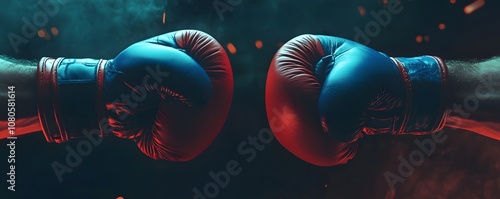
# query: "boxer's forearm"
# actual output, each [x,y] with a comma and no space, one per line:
[20,78]
[475,96]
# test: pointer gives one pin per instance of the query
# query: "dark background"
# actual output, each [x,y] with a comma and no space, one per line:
[466,165]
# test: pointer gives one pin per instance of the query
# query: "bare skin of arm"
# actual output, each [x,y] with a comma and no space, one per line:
[22,75]
[475,96]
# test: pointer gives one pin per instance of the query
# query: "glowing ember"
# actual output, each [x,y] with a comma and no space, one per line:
[259,44]
[419,39]
[361,10]
[473,6]
[164,16]
[231,48]
[119,197]
[54,31]
[41,33]
[442,26]
[453,1]
[44,34]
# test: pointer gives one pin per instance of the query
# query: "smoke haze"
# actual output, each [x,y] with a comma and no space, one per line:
[465,166]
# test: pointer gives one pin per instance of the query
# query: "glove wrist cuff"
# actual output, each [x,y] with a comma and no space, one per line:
[425,79]
[69,97]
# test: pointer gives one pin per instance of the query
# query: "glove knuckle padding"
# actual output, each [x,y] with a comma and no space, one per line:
[360,75]
[293,88]
[201,71]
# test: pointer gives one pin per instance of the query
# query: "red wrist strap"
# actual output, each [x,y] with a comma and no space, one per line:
[48,101]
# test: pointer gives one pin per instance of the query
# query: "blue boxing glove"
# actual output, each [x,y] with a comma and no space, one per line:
[171,94]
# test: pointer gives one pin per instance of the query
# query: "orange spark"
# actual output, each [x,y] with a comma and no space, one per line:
[442,26]
[453,1]
[361,10]
[473,6]
[44,34]
[54,31]
[119,197]
[259,44]
[231,48]
[419,39]
[164,16]
[41,33]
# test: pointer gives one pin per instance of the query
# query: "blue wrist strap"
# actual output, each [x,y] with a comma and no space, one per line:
[425,80]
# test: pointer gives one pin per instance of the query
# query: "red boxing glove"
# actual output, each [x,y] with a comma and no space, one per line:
[170,93]
[328,92]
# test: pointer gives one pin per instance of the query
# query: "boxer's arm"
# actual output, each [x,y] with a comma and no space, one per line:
[22,76]
[475,96]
